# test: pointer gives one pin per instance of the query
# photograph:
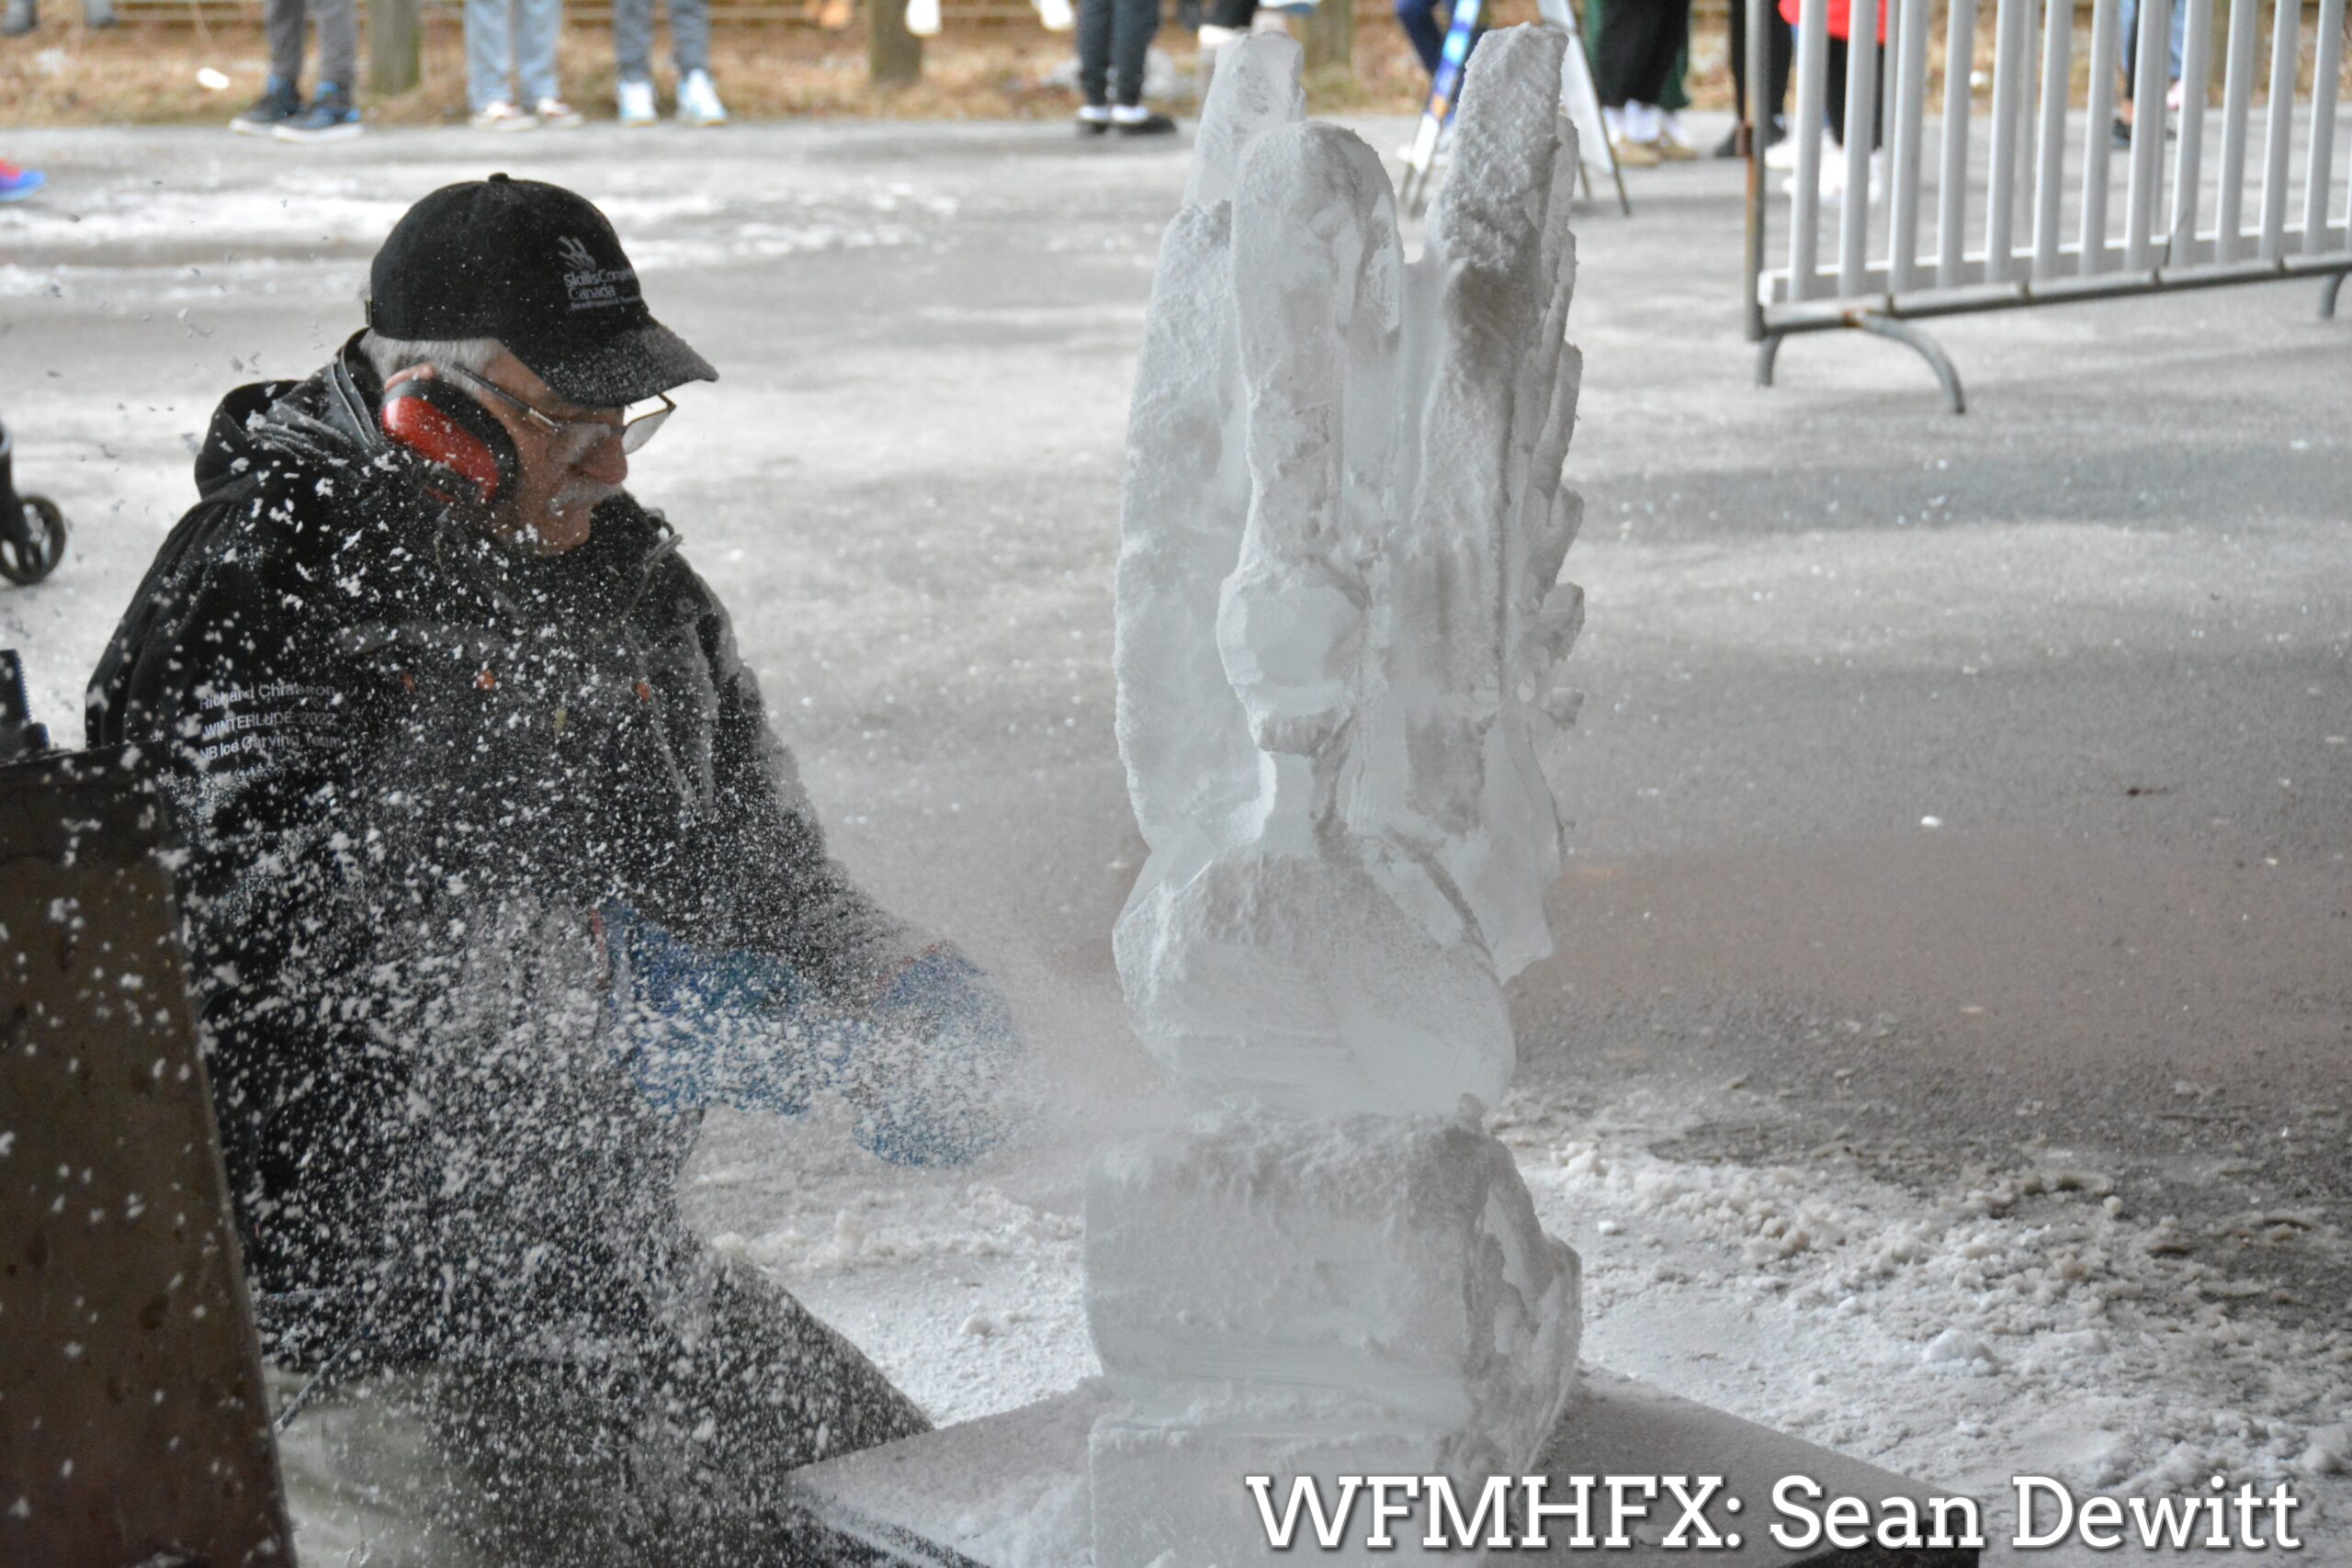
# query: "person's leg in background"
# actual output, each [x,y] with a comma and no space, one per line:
[1094,66]
[1133,22]
[281,98]
[2128,23]
[1833,162]
[1779,60]
[1625,67]
[333,114]
[633,60]
[538,24]
[338,23]
[698,102]
[490,62]
[1670,98]
[1418,19]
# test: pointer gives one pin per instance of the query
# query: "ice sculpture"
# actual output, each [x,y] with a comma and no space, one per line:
[1338,631]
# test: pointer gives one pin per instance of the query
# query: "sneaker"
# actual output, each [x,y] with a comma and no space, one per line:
[1094,119]
[330,117]
[1056,16]
[23,17]
[279,102]
[637,103]
[923,17]
[2119,134]
[97,14]
[698,100]
[1633,155]
[16,184]
[1134,120]
[1782,153]
[1670,142]
[557,115]
[501,116]
[1833,180]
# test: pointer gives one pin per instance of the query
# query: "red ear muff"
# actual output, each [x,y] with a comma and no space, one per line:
[452,431]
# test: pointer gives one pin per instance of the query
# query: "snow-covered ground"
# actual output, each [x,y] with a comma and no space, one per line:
[2013,1143]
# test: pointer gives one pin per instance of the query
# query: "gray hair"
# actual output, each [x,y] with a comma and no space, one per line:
[391,354]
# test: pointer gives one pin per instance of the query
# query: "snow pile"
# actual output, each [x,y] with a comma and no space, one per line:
[1338,622]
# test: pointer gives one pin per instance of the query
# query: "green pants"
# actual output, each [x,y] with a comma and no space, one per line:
[1596,17]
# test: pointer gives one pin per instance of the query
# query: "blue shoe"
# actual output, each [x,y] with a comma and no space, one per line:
[280,101]
[330,117]
[16,184]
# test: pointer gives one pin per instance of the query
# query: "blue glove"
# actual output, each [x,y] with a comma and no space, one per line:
[700,1027]
[697,1027]
[952,1041]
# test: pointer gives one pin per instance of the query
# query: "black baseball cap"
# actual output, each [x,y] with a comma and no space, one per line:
[538,268]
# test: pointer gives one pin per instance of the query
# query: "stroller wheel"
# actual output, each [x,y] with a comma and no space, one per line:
[32,548]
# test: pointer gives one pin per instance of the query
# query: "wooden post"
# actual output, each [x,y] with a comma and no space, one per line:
[893,55]
[395,46]
[1330,36]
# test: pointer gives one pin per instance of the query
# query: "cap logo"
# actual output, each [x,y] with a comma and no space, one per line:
[590,286]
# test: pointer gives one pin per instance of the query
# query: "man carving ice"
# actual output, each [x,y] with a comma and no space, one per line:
[498,874]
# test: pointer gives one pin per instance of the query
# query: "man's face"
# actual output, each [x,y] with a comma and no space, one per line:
[562,475]
[563,478]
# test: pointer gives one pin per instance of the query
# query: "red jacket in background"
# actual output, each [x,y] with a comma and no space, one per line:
[1840,12]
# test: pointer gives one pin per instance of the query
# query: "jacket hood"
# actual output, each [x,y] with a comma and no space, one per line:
[327,420]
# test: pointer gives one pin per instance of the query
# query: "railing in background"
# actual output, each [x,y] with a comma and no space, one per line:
[2031,230]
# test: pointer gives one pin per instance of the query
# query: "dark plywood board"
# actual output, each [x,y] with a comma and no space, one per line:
[133,1426]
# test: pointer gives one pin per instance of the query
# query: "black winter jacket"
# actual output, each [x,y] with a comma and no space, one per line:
[409,766]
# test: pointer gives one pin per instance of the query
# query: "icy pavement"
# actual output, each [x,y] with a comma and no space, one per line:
[2099,630]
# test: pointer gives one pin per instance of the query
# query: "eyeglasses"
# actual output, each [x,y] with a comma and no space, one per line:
[576,438]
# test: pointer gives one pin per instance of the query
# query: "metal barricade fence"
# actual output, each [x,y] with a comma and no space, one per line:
[2017,221]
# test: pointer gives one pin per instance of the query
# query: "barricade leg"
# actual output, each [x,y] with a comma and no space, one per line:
[1928,348]
[2327,293]
[1767,350]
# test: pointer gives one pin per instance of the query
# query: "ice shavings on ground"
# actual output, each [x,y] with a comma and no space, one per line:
[2024,1325]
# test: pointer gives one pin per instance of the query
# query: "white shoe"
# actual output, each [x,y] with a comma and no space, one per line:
[501,116]
[923,17]
[1672,143]
[1056,16]
[637,103]
[1783,155]
[698,100]
[557,115]
[1833,179]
